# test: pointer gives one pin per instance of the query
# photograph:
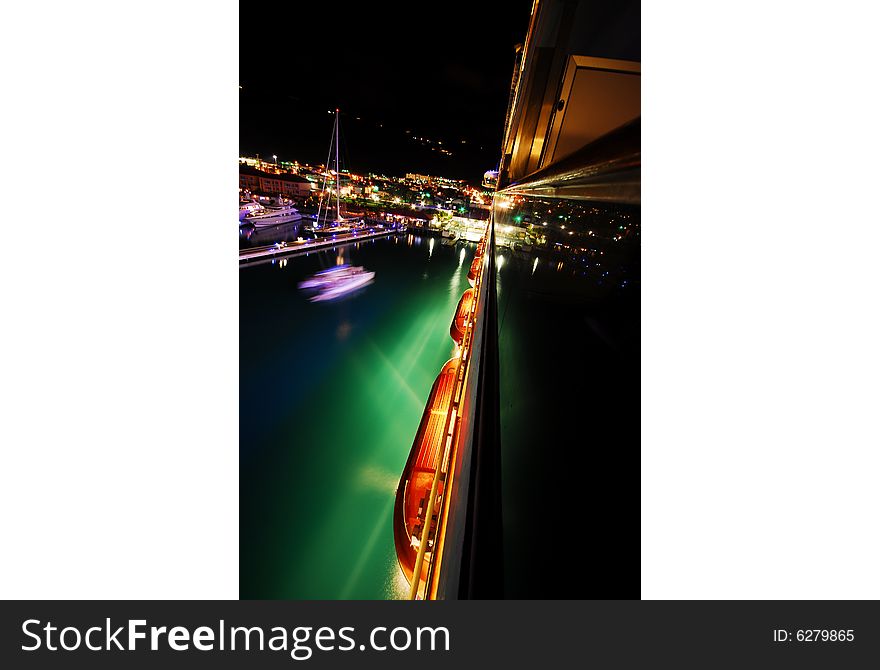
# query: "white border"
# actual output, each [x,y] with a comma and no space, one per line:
[120,301]
[760,301]
[760,357]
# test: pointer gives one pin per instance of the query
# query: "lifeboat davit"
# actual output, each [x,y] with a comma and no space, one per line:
[459,322]
[414,491]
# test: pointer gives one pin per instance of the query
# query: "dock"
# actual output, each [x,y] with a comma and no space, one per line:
[289,249]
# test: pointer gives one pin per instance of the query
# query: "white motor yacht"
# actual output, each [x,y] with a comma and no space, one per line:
[271,215]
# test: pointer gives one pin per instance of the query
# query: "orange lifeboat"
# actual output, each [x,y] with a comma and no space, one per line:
[414,491]
[459,323]
[476,266]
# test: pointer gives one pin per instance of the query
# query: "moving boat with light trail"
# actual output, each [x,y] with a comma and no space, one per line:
[342,283]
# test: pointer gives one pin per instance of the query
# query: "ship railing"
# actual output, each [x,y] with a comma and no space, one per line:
[456,501]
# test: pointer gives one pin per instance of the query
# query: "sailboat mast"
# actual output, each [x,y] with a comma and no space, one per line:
[324,193]
[338,175]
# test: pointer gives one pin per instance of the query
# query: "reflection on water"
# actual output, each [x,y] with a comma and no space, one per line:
[396,587]
[343,330]
[367,550]
[455,289]
[373,478]
[248,236]
[568,340]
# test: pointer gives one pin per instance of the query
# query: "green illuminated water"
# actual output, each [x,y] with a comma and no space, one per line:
[331,396]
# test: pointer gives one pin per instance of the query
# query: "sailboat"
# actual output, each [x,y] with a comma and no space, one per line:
[326,226]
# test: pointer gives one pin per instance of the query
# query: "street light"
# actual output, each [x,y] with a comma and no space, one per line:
[275,158]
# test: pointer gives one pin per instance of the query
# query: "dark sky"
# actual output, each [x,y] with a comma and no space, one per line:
[440,70]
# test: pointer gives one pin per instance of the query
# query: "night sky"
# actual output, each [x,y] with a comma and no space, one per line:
[441,71]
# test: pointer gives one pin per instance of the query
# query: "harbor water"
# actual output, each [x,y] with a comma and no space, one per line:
[331,396]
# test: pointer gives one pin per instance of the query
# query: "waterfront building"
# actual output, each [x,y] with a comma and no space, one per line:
[285,184]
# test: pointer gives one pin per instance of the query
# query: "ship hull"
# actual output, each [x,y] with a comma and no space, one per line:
[330,232]
[271,220]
